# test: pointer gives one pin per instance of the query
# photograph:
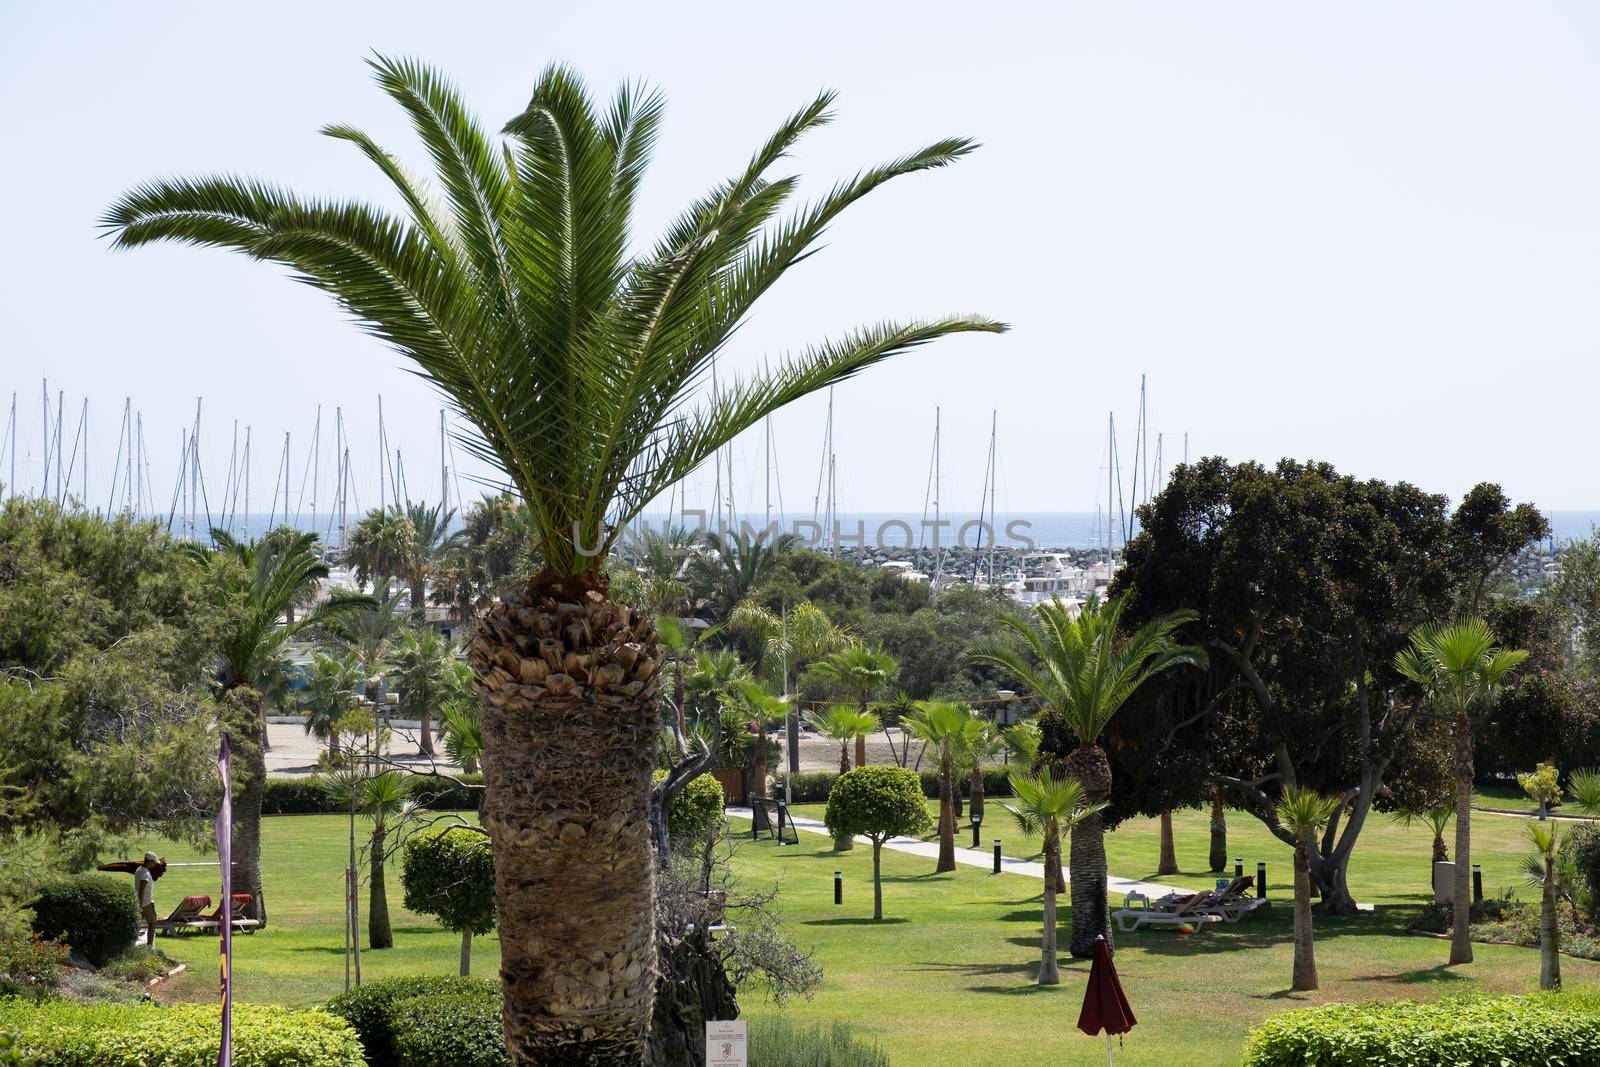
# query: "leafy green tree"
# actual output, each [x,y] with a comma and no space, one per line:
[1543,786]
[1458,667]
[948,726]
[1045,805]
[579,366]
[1082,669]
[860,671]
[449,874]
[876,803]
[1304,813]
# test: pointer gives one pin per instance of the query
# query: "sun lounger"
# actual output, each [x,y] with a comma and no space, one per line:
[1129,918]
[1230,904]
[241,905]
[188,917]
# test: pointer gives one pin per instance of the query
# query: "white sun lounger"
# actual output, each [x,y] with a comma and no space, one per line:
[1130,918]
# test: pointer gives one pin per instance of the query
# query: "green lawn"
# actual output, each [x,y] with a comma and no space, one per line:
[947,977]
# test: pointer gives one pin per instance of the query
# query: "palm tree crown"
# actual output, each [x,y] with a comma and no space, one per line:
[1457,663]
[511,286]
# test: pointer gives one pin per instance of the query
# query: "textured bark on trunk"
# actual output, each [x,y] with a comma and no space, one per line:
[466,953]
[955,795]
[693,988]
[861,751]
[1305,957]
[425,731]
[1218,856]
[844,756]
[379,933]
[877,880]
[249,785]
[1549,932]
[1090,915]
[1049,969]
[1440,853]
[947,818]
[1169,852]
[1460,927]
[569,682]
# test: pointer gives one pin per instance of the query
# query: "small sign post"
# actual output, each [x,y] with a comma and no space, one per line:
[725,1043]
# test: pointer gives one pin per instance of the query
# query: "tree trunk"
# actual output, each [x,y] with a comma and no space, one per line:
[1218,856]
[947,818]
[425,730]
[877,880]
[861,751]
[569,732]
[1305,956]
[1090,916]
[976,807]
[1056,872]
[1549,932]
[693,988]
[955,794]
[844,756]
[1460,928]
[249,786]
[1169,852]
[1049,970]
[1440,853]
[379,933]
[466,953]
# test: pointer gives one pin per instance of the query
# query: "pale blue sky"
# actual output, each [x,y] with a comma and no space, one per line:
[1365,233]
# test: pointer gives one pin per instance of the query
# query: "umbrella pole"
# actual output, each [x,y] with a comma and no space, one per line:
[1108,1049]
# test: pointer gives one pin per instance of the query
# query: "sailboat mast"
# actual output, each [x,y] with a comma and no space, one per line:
[994,456]
[444,470]
[938,549]
[1111,447]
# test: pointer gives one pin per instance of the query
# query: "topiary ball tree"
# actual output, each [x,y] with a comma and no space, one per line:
[696,810]
[94,914]
[450,875]
[877,803]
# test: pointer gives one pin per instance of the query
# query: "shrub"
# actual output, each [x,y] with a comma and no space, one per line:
[812,787]
[64,1034]
[1582,845]
[306,796]
[1458,1032]
[369,1009]
[449,874]
[443,1031]
[94,914]
[774,1042]
[139,964]
[696,809]
[1436,918]
[31,963]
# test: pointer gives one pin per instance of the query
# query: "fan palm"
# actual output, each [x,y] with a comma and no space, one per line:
[1545,872]
[1304,812]
[1045,805]
[383,797]
[578,366]
[784,645]
[844,724]
[461,726]
[1458,667]
[262,580]
[426,550]
[376,546]
[1435,817]
[1082,670]
[978,750]
[423,667]
[330,691]
[860,671]
[369,633]
[947,725]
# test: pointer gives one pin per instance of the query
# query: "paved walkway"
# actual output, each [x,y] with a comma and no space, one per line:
[975,857]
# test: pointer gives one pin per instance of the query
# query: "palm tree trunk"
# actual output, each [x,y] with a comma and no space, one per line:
[1049,969]
[1169,852]
[1090,916]
[955,794]
[1460,928]
[1549,932]
[466,953]
[379,933]
[877,880]
[425,730]
[844,756]
[249,786]
[947,818]
[1305,956]
[861,742]
[1218,856]
[569,741]
[1440,853]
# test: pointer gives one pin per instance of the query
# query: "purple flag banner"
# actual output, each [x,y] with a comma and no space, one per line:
[225,856]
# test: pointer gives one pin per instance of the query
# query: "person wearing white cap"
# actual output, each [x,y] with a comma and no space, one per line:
[144,884]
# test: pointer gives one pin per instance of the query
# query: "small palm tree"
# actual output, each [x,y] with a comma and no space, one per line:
[423,667]
[1435,817]
[1082,669]
[384,798]
[733,564]
[330,692]
[1544,871]
[1458,667]
[844,724]
[577,354]
[1022,740]
[1584,786]
[1304,812]
[947,725]
[860,671]
[761,708]
[369,633]
[1046,805]
[425,552]
[461,725]
[977,751]
[892,712]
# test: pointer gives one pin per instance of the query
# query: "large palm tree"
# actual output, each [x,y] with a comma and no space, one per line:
[262,581]
[860,671]
[1458,667]
[760,708]
[947,725]
[580,365]
[1082,669]
[1304,812]
[423,666]
[376,545]
[426,551]
[1045,805]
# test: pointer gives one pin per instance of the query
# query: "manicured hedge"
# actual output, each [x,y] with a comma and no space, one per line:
[460,1031]
[66,1034]
[812,787]
[1539,1028]
[305,796]
[371,1009]
[94,913]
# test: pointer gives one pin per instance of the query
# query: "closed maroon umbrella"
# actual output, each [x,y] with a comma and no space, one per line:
[1105,1006]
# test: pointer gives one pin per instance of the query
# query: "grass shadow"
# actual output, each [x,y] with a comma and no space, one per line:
[887,921]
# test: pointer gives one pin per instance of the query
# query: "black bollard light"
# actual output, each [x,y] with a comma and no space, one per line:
[1477,884]
[977,821]
[1238,867]
[1261,881]
[838,887]
[997,855]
